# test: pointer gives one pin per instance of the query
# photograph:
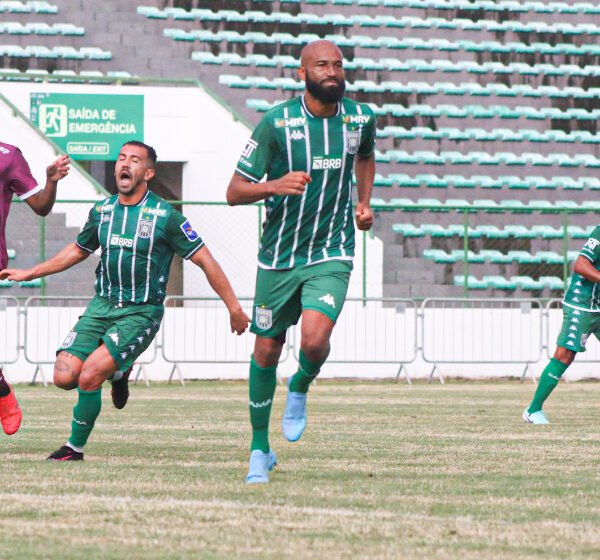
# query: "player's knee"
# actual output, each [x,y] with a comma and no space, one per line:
[91,377]
[564,355]
[267,353]
[65,376]
[315,348]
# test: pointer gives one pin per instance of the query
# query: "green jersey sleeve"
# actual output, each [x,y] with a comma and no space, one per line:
[181,236]
[88,236]
[591,249]
[367,144]
[256,158]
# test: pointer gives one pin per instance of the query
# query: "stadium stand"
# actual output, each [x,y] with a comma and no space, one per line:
[482,106]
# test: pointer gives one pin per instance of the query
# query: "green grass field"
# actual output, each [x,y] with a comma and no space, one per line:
[384,470]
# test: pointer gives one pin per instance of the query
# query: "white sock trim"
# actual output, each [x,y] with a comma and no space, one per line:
[77,449]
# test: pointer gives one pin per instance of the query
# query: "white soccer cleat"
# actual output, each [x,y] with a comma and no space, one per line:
[535,417]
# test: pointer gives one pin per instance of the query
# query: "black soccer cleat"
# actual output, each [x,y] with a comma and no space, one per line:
[65,453]
[120,390]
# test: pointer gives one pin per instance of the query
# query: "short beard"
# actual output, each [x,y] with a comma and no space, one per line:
[325,94]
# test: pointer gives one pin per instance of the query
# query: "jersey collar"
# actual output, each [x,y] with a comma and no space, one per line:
[304,106]
[139,203]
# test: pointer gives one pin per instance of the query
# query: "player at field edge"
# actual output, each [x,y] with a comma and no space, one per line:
[16,178]
[307,147]
[581,317]
[137,233]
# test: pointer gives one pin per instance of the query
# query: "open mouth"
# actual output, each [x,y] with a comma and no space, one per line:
[125,176]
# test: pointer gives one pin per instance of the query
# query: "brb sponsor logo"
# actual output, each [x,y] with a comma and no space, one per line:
[326,163]
[117,240]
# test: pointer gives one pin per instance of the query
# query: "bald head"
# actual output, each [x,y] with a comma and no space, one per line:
[321,70]
[317,50]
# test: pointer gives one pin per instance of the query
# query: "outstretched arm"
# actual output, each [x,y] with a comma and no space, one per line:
[365,176]
[220,284]
[42,202]
[69,256]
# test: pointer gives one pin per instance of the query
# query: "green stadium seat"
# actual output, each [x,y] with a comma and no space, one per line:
[522,257]
[36,283]
[6,283]
[499,282]
[459,255]
[491,231]
[435,230]
[519,231]
[472,282]
[549,257]
[552,282]
[495,257]
[578,232]
[527,283]
[460,182]
[547,232]
[438,256]
[408,230]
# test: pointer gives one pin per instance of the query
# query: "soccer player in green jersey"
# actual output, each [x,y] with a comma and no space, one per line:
[137,233]
[581,317]
[308,148]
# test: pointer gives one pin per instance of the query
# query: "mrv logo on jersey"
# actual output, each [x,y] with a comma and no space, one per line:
[356,119]
[291,122]
[120,240]
[326,163]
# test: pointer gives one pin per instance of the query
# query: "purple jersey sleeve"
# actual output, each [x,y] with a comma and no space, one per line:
[22,182]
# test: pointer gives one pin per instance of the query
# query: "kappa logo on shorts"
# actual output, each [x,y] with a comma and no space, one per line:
[328,299]
[68,342]
[114,337]
[264,318]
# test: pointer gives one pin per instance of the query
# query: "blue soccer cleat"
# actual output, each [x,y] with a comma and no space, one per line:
[260,465]
[293,423]
[535,417]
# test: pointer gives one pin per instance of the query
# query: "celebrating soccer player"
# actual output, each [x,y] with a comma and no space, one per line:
[16,178]
[138,234]
[581,317]
[307,147]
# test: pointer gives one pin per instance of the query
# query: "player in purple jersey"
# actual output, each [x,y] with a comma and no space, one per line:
[16,178]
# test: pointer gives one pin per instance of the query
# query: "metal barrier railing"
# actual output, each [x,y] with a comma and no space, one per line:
[196,330]
[373,331]
[457,330]
[10,319]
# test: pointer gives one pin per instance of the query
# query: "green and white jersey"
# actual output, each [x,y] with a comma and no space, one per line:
[137,244]
[583,294]
[317,226]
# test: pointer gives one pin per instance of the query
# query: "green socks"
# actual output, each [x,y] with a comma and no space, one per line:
[548,381]
[85,413]
[307,372]
[262,390]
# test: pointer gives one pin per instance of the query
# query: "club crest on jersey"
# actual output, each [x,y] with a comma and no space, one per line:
[68,342]
[263,318]
[188,230]
[145,228]
[352,141]
[592,244]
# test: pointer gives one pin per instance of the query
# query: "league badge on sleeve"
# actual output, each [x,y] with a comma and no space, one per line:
[187,228]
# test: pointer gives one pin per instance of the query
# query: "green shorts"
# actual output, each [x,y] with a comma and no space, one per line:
[577,326]
[282,295]
[126,331]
